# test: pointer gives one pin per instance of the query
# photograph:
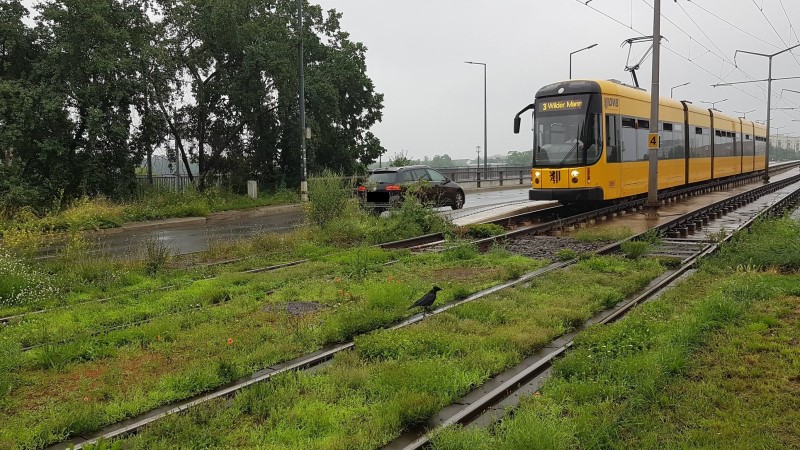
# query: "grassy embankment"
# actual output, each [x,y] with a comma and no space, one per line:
[711,364]
[396,379]
[93,214]
[199,335]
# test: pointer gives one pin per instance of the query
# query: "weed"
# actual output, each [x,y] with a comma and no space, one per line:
[652,236]
[635,249]
[566,254]
[484,230]
[22,285]
[156,254]
[328,196]
[460,251]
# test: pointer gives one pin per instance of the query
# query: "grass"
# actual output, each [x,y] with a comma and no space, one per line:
[99,213]
[705,365]
[396,379]
[603,234]
[209,333]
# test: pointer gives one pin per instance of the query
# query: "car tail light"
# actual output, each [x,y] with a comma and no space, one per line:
[362,189]
[393,188]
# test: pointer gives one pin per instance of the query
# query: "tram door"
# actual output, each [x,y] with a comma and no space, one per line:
[612,183]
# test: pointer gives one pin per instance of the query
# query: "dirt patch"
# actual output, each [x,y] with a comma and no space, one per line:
[295,308]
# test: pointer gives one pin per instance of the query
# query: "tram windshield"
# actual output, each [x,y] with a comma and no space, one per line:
[567,131]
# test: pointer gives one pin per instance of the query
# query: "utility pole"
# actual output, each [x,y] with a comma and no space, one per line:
[769,81]
[653,141]
[301,66]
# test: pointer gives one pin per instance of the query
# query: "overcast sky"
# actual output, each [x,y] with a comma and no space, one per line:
[434,102]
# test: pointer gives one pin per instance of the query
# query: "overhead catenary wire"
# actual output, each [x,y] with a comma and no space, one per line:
[761,9]
[732,25]
[678,54]
[720,55]
[693,2]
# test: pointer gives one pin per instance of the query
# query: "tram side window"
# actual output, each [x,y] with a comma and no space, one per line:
[749,145]
[666,135]
[672,141]
[642,133]
[701,144]
[723,143]
[612,139]
[761,146]
[628,135]
[679,142]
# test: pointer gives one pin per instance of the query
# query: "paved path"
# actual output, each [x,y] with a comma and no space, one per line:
[194,234]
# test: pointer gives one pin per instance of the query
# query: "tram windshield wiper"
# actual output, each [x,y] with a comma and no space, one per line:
[571,150]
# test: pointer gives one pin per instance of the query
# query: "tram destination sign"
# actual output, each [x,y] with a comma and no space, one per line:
[574,104]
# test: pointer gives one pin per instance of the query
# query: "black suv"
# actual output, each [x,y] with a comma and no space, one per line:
[385,187]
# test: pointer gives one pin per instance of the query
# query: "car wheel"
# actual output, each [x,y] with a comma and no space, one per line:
[458,202]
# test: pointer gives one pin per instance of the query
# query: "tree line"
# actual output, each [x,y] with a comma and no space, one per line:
[88,88]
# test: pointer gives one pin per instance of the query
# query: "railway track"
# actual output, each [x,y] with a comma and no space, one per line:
[491,402]
[316,359]
[521,224]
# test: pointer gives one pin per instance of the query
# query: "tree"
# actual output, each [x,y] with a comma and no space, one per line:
[236,64]
[442,161]
[520,158]
[94,49]
[401,159]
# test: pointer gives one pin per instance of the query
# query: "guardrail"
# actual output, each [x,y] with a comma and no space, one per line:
[493,175]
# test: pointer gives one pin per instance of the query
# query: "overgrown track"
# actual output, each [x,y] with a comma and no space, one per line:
[491,401]
[317,358]
[518,224]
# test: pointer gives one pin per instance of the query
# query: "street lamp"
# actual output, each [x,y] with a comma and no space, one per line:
[714,104]
[577,51]
[744,113]
[671,91]
[485,116]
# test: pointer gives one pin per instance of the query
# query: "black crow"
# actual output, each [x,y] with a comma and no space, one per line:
[427,300]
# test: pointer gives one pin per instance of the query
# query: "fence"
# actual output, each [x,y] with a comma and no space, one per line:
[172,182]
[493,175]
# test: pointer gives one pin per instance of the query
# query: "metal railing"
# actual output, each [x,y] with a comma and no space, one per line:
[494,175]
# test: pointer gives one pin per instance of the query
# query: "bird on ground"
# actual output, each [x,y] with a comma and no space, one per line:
[426,300]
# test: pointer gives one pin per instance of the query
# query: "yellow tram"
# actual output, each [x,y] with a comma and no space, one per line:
[590,142]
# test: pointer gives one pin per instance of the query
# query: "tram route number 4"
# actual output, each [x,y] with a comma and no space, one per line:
[652,141]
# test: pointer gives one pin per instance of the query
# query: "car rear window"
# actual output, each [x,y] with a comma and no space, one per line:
[383,177]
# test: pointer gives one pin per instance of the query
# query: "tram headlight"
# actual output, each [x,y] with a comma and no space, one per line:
[538,174]
[575,175]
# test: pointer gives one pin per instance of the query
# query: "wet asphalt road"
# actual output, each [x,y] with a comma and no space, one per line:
[194,235]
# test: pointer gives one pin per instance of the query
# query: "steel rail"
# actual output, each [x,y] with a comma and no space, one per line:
[437,238]
[475,409]
[304,362]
